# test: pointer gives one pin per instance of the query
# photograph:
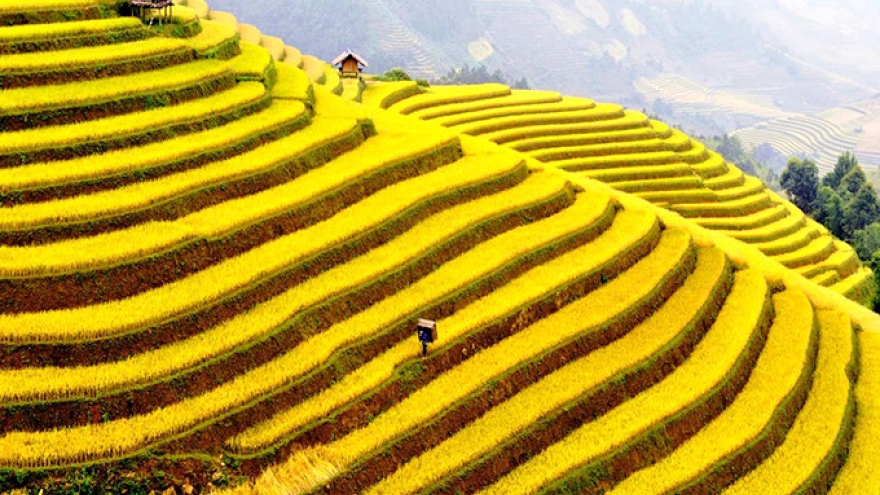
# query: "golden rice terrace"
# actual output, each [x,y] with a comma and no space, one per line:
[213,259]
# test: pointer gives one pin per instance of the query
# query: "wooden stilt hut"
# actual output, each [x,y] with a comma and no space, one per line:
[143,8]
[350,64]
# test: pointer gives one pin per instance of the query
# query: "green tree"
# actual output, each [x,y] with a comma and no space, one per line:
[800,180]
[862,211]
[853,181]
[867,241]
[829,211]
[845,163]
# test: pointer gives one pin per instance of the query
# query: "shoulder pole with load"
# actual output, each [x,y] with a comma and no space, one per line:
[427,333]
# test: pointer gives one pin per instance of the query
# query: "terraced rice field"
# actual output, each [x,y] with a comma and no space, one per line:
[212,266]
[646,158]
[802,135]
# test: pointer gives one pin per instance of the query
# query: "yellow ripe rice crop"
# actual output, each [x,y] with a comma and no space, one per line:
[539,399]
[252,64]
[214,34]
[668,184]
[41,175]
[44,382]
[126,436]
[443,95]
[643,173]
[732,177]
[582,139]
[525,132]
[293,83]
[567,104]
[30,32]
[722,346]
[221,280]
[778,373]
[769,233]
[752,185]
[646,146]
[628,228]
[860,474]
[736,208]
[601,112]
[21,100]
[814,252]
[332,79]
[619,163]
[379,95]
[745,223]
[129,124]
[224,18]
[516,98]
[814,433]
[566,384]
[792,242]
[90,56]
[36,5]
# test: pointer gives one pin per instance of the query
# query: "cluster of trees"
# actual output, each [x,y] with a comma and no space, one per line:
[844,201]
[478,75]
[753,163]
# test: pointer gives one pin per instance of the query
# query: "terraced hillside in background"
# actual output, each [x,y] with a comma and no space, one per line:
[212,265]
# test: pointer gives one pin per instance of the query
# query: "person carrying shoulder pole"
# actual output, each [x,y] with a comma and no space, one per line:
[427,333]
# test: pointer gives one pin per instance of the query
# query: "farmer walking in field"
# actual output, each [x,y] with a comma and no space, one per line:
[427,332]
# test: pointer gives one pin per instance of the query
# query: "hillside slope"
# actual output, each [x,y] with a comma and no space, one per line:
[213,264]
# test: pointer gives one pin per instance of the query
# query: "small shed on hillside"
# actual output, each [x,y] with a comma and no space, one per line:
[350,63]
[142,8]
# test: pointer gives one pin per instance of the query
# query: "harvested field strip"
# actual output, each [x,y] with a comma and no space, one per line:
[784,227]
[732,178]
[253,64]
[793,242]
[386,94]
[90,94]
[51,144]
[751,186]
[549,143]
[292,84]
[275,47]
[516,98]
[438,96]
[190,293]
[638,173]
[817,250]
[66,35]
[249,33]
[620,163]
[627,231]
[225,18]
[735,330]
[602,112]
[174,154]
[860,474]
[757,420]
[738,208]
[567,104]
[314,68]
[126,436]
[293,57]
[529,345]
[746,223]
[65,66]
[630,120]
[399,253]
[215,41]
[815,446]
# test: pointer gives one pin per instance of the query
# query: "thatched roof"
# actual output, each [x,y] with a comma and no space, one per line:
[350,54]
